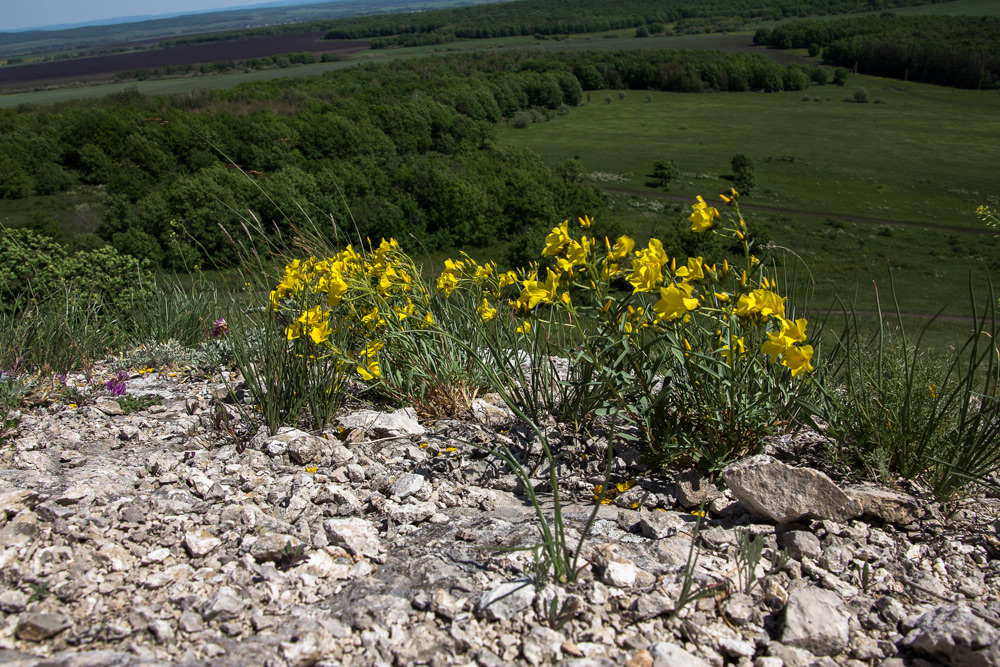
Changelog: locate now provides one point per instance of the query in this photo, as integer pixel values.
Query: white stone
(356, 535)
(814, 622)
(620, 573)
(200, 542)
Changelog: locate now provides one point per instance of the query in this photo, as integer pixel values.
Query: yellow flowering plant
(658, 354)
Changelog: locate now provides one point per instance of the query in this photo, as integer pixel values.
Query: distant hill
(102, 34)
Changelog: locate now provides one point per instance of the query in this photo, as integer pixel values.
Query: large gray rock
(814, 622)
(407, 485)
(660, 525)
(955, 636)
(384, 424)
(769, 488)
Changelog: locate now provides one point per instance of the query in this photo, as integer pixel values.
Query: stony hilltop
(154, 537)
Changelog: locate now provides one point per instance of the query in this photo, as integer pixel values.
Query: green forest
(375, 149)
(958, 51)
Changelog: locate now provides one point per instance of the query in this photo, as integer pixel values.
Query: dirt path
(808, 214)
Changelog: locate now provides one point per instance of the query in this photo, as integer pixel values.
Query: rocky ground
(155, 537)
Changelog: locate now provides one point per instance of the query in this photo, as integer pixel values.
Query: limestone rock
(303, 448)
(504, 600)
(769, 488)
(814, 622)
(200, 542)
(274, 547)
(356, 535)
(889, 506)
(407, 485)
(956, 636)
(35, 627)
(660, 525)
(800, 544)
(384, 424)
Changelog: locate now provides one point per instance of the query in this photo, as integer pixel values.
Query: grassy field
(957, 8)
(914, 168)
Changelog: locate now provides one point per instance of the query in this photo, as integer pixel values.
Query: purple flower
(221, 328)
(116, 385)
(59, 378)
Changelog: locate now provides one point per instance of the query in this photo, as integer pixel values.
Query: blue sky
(19, 14)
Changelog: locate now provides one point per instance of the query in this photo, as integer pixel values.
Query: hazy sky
(17, 14)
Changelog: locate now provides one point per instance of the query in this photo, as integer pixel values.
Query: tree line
(549, 17)
(958, 51)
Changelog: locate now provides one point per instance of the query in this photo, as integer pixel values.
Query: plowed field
(99, 68)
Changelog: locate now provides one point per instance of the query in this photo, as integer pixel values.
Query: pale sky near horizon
(20, 14)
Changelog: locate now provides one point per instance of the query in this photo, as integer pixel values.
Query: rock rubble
(153, 537)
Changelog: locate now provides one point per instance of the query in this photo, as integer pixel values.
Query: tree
(744, 178)
(745, 181)
(741, 161)
(664, 171)
(840, 76)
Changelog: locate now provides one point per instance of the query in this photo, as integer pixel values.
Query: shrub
(35, 268)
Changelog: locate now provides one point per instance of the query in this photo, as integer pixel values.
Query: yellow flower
(320, 332)
(586, 221)
(506, 279)
(314, 319)
(623, 246)
(485, 312)
(524, 328)
(704, 216)
(693, 272)
(759, 305)
(557, 238)
(675, 302)
(785, 345)
(409, 310)
(728, 199)
(625, 486)
(576, 255)
(536, 291)
(741, 349)
(447, 282)
(372, 319)
(369, 371)
(797, 359)
(369, 368)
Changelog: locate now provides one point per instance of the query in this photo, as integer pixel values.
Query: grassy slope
(925, 157)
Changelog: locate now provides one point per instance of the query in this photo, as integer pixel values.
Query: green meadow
(854, 190)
